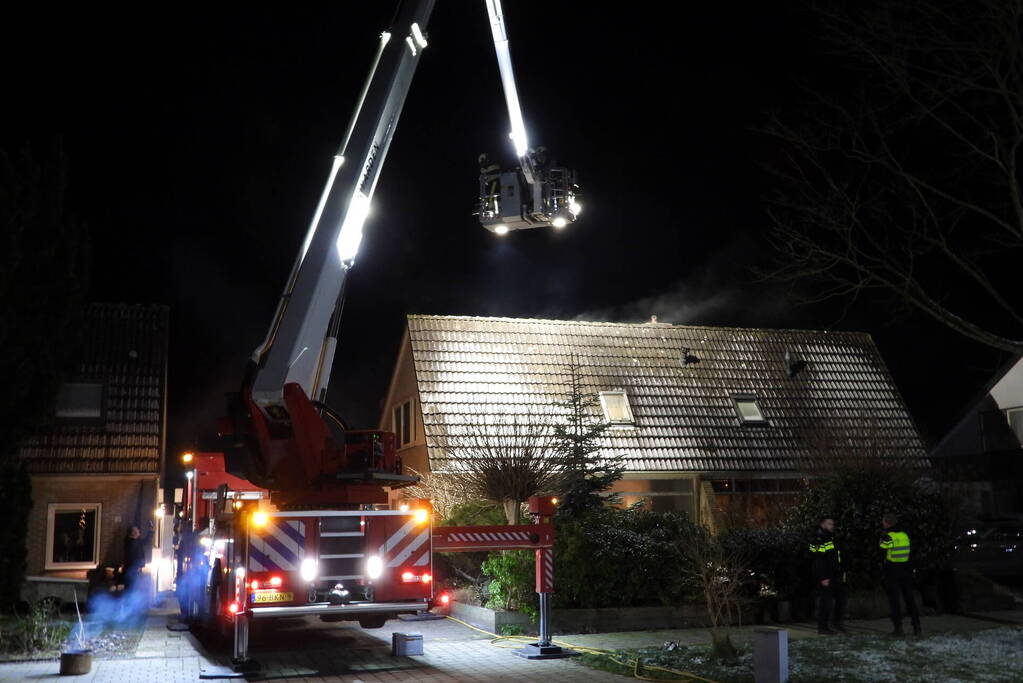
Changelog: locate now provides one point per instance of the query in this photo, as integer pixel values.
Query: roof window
(617, 410)
(748, 409)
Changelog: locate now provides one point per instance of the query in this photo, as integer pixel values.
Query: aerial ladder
(309, 532)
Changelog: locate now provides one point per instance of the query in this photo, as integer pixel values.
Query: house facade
(96, 466)
(983, 452)
(713, 422)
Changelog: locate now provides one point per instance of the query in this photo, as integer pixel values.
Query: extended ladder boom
(299, 347)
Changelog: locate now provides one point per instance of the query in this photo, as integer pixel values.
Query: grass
(994, 656)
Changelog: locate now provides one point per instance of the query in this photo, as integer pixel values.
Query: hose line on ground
(610, 654)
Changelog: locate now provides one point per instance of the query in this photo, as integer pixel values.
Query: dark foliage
(44, 259)
(15, 505)
(587, 472)
(614, 557)
(857, 498)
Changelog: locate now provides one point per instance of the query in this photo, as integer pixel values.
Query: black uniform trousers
(898, 584)
(830, 603)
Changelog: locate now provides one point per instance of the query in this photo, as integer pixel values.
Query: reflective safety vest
(826, 547)
(896, 547)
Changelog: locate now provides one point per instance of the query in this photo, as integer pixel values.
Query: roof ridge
(478, 318)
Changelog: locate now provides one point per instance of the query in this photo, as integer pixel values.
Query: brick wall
(118, 495)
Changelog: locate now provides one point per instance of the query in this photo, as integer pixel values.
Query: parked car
(992, 548)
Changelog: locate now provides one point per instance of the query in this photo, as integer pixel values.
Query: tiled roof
(843, 402)
(124, 348)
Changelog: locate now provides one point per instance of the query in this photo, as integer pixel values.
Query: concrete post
(770, 655)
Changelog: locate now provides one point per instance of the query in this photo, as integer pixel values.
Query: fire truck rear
(243, 559)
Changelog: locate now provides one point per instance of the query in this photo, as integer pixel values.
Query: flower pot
(75, 662)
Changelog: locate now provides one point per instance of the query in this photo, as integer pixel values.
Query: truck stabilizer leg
(544, 648)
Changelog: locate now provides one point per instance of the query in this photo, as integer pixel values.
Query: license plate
(272, 596)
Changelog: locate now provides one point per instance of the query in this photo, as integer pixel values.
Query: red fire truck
(292, 518)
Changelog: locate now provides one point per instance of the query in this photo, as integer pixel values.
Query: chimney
(653, 320)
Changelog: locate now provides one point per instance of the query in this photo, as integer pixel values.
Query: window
(80, 401)
(748, 410)
(404, 423)
(616, 407)
(1015, 418)
(72, 535)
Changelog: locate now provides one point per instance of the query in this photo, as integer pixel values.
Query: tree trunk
(512, 511)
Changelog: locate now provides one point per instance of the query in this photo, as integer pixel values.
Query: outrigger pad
(538, 651)
(214, 671)
(422, 616)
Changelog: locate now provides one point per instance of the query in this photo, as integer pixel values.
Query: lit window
(404, 423)
(616, 407)
(80, 401)
(748, 409)
(72, 535)
(1015, 418)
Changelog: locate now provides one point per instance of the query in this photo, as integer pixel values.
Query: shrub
(614, 557)
(35, 632)
(512, 581)
(857, 498)
(776, 557)
(464, 570)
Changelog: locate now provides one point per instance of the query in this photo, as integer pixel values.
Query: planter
(75, 662)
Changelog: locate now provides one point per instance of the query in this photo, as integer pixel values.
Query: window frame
(755, 400)
(1009, 412)
(82, 418)
(398, 422)
(51, 511)
(626, 423)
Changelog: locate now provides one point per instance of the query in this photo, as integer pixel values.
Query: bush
(614, 557)
(776, 557)
(512, 581)
(464, 570)
(857, 498)
(35, 632)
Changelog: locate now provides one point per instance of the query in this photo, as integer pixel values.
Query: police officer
(828, 577)
(898, 577)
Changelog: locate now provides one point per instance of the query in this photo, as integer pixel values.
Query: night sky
(200, 138)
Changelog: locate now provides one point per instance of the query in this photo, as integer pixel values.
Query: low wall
(599, 620)
(38, 587)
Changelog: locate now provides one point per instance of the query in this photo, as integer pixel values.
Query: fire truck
(293, 518)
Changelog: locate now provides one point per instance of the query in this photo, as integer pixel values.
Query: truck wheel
(373, 621)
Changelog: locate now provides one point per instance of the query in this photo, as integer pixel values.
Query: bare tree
(443, 492)
(909, 181)
(505, 458)
(717, 574)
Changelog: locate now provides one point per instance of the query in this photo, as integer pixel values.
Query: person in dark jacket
(898, 574)
(828, 578)
(135, 547)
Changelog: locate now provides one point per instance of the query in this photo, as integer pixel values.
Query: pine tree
(587, 472)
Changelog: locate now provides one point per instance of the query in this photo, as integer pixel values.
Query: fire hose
(634, 663)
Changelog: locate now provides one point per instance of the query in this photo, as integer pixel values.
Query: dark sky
(200, 138)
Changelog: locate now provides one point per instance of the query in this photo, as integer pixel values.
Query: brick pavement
(309, 650)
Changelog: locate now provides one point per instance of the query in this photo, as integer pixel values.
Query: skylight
(748, 409)
(617, 410)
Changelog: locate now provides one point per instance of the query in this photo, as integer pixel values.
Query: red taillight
(426, 578)
(233, 608)
(276, 581)
(445, 599)
(254, 585)
(408, 576)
